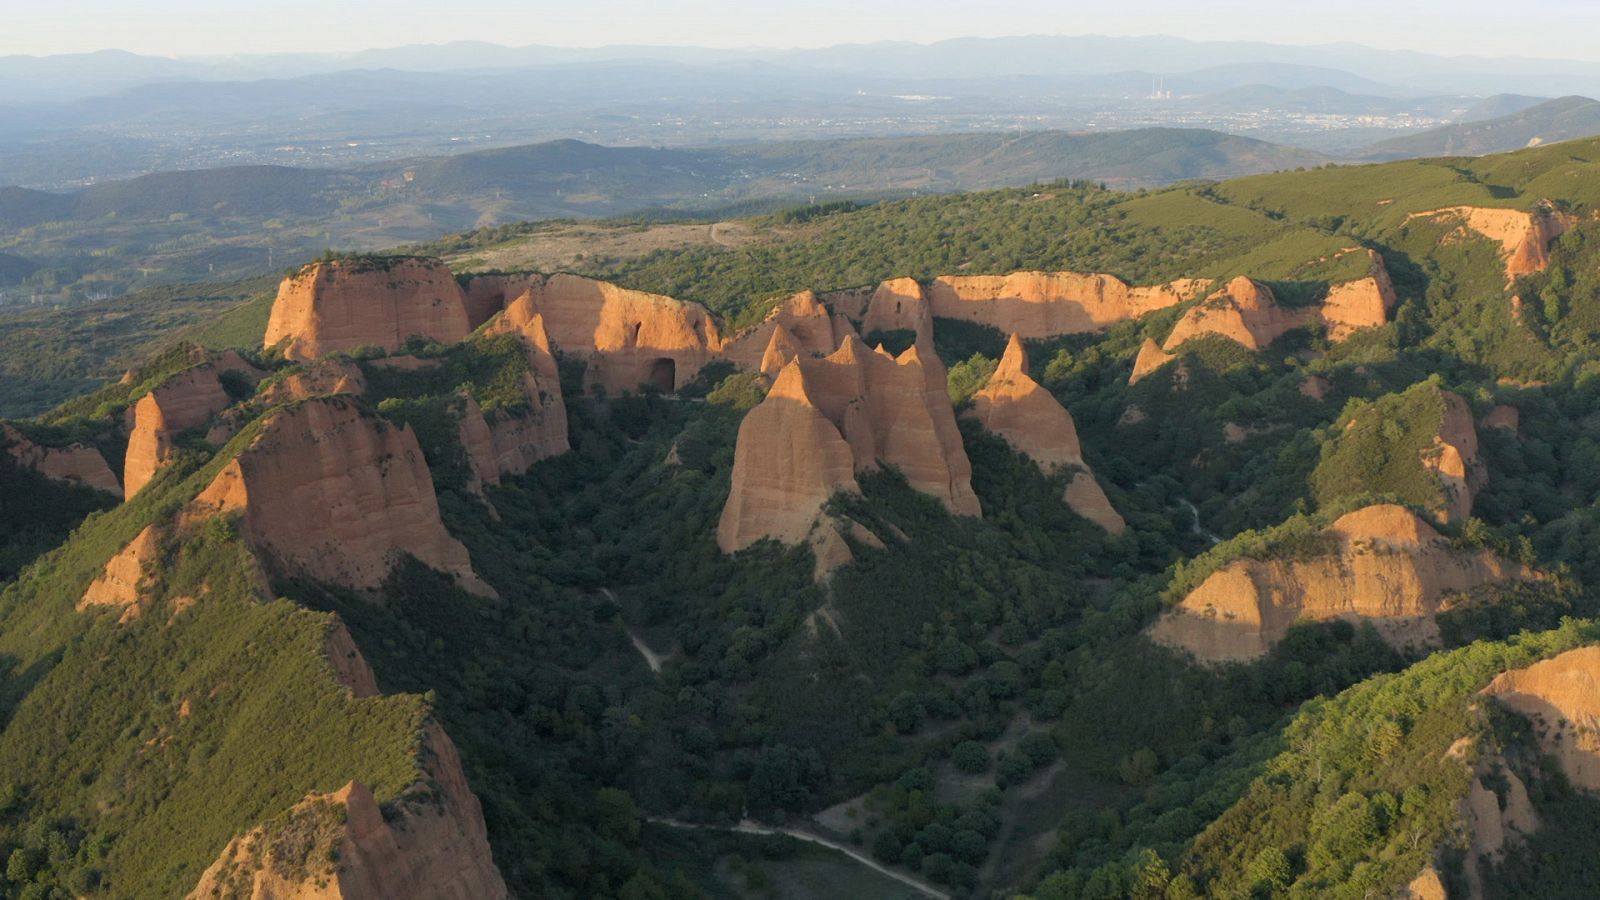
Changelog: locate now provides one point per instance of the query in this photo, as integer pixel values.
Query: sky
(1535, 28)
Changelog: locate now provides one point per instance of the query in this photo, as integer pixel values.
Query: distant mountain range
(1562, 119)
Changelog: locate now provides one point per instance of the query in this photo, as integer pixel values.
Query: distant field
(570, 246)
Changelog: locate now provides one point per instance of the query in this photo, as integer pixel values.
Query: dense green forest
(976, 703)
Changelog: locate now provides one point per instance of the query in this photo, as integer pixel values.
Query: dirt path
(749, 827)
(651, 658)
(1196, 527)
(718, 239)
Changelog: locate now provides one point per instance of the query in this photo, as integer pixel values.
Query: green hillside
(976, 703)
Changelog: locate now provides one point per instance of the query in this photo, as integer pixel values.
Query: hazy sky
(1542, 28)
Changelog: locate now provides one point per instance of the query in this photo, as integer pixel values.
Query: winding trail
(748, 827)
(1196, 528)
(651, 658)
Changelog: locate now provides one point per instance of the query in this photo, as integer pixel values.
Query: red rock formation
(1244, 312)
(1014, 406)
(74, 463)
(1454, 458)
(1151, 357)
(332, 307)
(1385, 566)
(433, 847)
(780, 349)
(1561, 696)
(629, 339)
(1364, 303)
(487, 294)
(1044, 304)
(336, 495)
(1524, 237)
(323, 376)
(186, 400)
(122, 582)
(823, 421)
(899, 305)
(789, 459)
(811, 329)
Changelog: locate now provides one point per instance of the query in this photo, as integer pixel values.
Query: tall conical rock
(809, 327)
(827, 419)
(1015, 407)
(1151, 357)
(1383, 565)
(1366, 302)
(340, 305)
(333, 494)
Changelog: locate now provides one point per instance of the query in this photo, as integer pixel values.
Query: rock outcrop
(337, 306)
(899, 304)
(1385, 566)
(1043, 304)
(74, 463)
(628, 339)
(122, 582)
(810, 329)
(341, 846)
(1524, 237)
(336, 495)
(488, 293)
(1453, 457)
(1363, 303)
(1561, 696)
(1015, 407)
(186, 400)
(1151, 357)
(1505, 417)
(825, 420)
(323, 376)
(1244, 312)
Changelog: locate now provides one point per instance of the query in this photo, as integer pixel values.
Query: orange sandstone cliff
(1364, 303)
(825, 420)
(186, 400)
(1244, 311)
(1561, 695)
(628, 339)
(1015, 407)
(431, 844)
(1151, 357)
(1524, 237)
(74, 463)
(1384, 565)
(1453, 457)
(337, 306)
(809, 327)
(336, 495)
(1043, 304)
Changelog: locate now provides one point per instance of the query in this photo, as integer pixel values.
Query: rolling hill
(1561, 119)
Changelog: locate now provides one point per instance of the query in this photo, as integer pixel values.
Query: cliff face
(1151, 357)
(323, 376)
(809, 327)
(1387, 567)
(1454, 458)
(899, 304)
(122, 582)
(826, 419)
(1015, 407)
(1364, 303)
(1524, 237)
(74, 463)
(336, 495)
(1244, 311)
(186, 400)
(340, 846)
(487, 294)
(629, 339)
(1561, 695)
(337, 306)
(1043, 304)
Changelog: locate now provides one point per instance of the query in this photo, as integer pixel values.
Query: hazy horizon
(195, 29)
